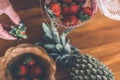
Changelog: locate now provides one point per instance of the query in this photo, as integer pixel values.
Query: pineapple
(81, 66)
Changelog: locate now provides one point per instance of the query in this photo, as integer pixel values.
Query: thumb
(5, 35)
(12, 15)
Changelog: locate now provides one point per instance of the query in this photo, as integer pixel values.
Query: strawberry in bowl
(27, 67)
(56, 9)
(70, 13)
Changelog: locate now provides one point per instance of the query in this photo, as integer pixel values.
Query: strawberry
(66, 21)
(87, 10)
(66, 1)
(70, 20)
(22, 70)
(73, 20)
(65, 10)
(85, 14)
(74, 8)
(35, 71)
(56, 8)
(23, 32)
(31, 62)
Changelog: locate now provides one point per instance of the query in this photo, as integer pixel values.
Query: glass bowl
(56, 11)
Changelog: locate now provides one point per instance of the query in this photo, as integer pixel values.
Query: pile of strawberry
(70, 11)
(27, 68)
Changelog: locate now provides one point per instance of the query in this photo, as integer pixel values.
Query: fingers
(5, 35)
(12, 15)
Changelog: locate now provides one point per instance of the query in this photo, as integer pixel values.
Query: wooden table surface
(100, 37)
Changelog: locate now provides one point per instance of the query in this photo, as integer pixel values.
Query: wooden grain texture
(100, 37)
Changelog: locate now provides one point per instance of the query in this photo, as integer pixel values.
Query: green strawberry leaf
(67, 47)
(50, 12)
(18, 30)
(55, 33)
(27, 60)
(59, 47)
(49, 46)
(47, 39)
(40, 43)
(47, 31)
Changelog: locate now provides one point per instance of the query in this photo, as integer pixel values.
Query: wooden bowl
(21, 49)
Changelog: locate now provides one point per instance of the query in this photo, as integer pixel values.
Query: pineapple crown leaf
(47, 31)
(51, 32)
(55, 32)
(50, 12)
(55, 44)
(61, 43)
(63, 36)
(61, 58)
(67, 47)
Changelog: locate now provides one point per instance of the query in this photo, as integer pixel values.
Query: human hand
(6, 8)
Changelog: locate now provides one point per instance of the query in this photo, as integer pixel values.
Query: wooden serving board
(100, 37)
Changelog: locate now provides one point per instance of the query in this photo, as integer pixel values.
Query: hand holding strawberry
(6, 8)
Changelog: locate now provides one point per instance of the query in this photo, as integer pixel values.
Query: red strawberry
(74, 8)
(22, 70)
(88, 11)
(55, 7)
(65, 10)
(74, 20)
(85, 14)
(70, 20)
(23, 32)
(66, 21)
(35, 71)
(31, 62)
(66, 1)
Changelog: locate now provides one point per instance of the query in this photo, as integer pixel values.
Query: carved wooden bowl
(22, 49)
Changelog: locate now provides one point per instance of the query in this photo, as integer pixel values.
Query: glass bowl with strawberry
(70, 13)
(26, 62)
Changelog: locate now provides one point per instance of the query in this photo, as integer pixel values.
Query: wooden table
(100, 37)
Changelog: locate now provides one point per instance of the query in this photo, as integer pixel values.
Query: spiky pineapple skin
(85, 67)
